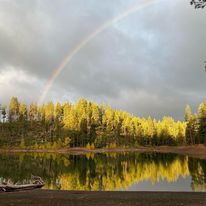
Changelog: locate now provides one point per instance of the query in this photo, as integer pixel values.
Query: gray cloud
(150, 63)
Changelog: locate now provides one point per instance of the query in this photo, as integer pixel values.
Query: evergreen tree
(58, 112)
(13, 109)
(202, 122)
(66, 113)
(22, 112)
(33, 112)
(49, 112)
(188, 113)
(3, 113)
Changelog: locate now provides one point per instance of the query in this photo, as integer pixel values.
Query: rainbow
(77, 48)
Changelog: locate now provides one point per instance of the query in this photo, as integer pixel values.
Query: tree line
(87, 124)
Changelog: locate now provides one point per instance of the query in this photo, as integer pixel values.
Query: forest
(87, 124)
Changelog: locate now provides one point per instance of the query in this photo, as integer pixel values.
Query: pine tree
(3, 113)
(192, 136)
(22, 112)
(58, 112)
(49, 120)
(33, 112)
(188, 113)
(66, 115)
(202, 122)
(13, 109)
(49, 112)
(181, 130)
(58, 116)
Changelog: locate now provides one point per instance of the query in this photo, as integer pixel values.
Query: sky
(150, 63)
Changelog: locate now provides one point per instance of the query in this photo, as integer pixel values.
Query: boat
(37, 183)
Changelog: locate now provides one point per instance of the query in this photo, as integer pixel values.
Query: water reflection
(128, 171)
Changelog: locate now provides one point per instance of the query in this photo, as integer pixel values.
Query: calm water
(128, 171)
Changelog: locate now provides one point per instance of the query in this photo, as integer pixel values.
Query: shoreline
(198, 151)
(84, 198)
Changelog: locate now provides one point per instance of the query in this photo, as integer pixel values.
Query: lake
(107, 171)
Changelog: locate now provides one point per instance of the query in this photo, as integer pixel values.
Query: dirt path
(198, 151)
(76, 198)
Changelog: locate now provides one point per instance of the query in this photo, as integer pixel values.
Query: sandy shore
(198, 151)
(77, 198)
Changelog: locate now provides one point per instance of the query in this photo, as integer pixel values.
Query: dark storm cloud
(150, 63)
(38, 34)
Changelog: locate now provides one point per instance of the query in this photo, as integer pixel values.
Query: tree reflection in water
(109, 171)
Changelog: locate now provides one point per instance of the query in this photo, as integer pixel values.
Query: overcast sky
(149, 63)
